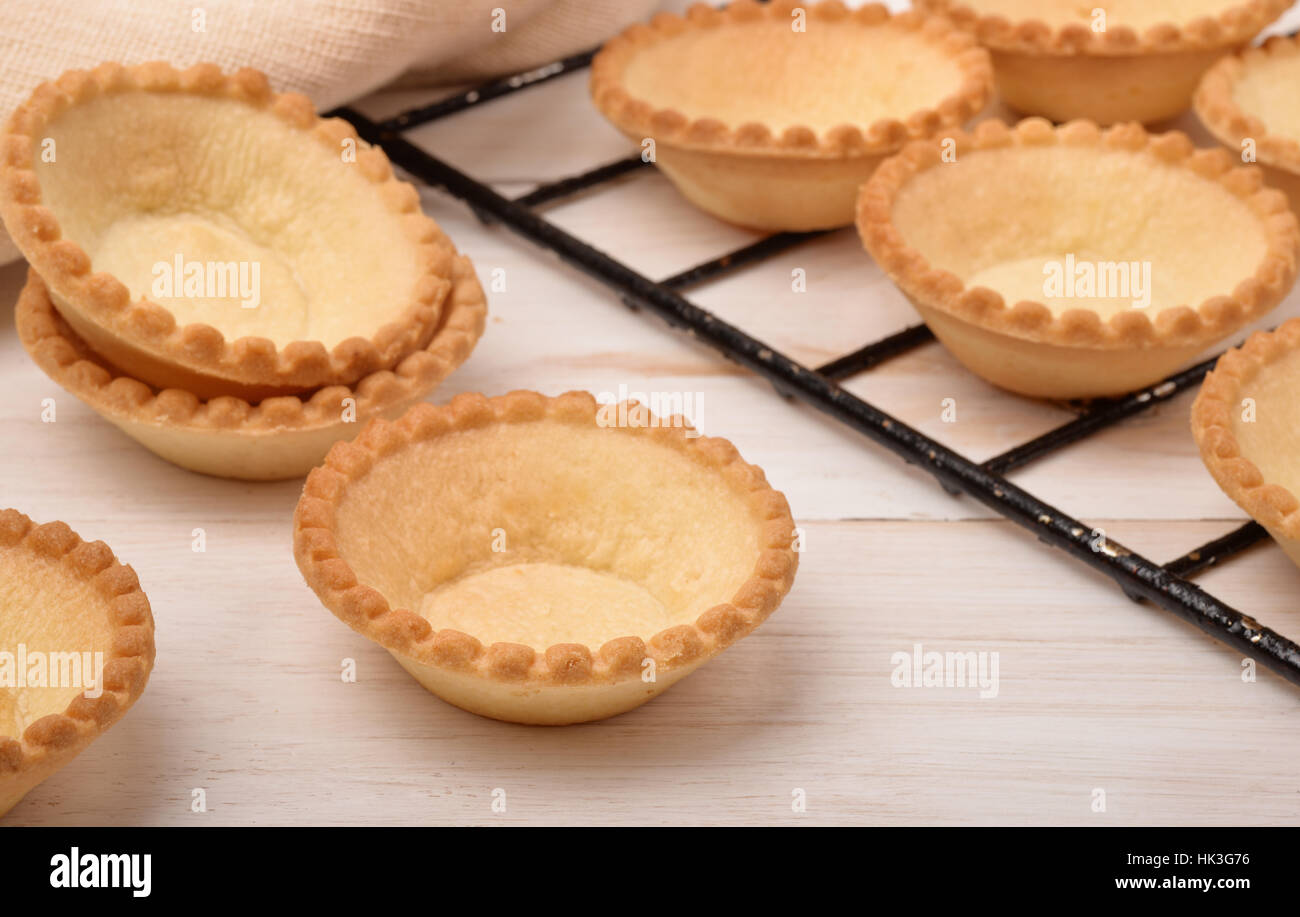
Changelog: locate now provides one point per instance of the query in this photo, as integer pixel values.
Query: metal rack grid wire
(1166, 585)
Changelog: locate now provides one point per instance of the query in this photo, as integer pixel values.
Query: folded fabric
(331, 50)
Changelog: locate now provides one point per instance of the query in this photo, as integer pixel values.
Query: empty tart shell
(994, 240)
(1246, 421)
(72, 604)
(770, 116)
(205, 233)
(277, 438)
(1250, 102)
(1121, 60)
(544, 560)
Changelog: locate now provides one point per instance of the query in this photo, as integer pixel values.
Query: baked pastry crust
(53, 740)
(1222, 397)
(1146, 348)
(565, 682)
(145, 335)
(717, 165)
(1217, 106)
(1143, 66)
(278, 438)
(1235, 23)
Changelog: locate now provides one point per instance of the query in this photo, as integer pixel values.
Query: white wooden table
(1096, 693)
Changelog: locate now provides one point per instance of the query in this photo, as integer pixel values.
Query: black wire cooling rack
(1166, 585)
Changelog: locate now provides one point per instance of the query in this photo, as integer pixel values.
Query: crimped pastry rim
(1271, 505)
(55, 739)
(411, 636)
(199, 347)
(1237, 22)
(70, 363)
(1224, 118)
(1174, 326)
(637, 117)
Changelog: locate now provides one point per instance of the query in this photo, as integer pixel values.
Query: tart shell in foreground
(275, 439)
(444, 481)
(58, 555)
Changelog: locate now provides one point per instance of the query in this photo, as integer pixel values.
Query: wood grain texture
(1095, 692)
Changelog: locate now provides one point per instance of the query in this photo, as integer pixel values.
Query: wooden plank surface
(1094, 693)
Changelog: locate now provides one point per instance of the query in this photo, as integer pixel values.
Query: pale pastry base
(253, 451)
(1051, 371)
(769, 193)
(1108, 90)
(532, 705)
(223, 174)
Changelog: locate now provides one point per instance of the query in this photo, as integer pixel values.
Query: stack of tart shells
(242, 407)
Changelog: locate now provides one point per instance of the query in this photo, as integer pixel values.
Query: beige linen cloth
(331, 50)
